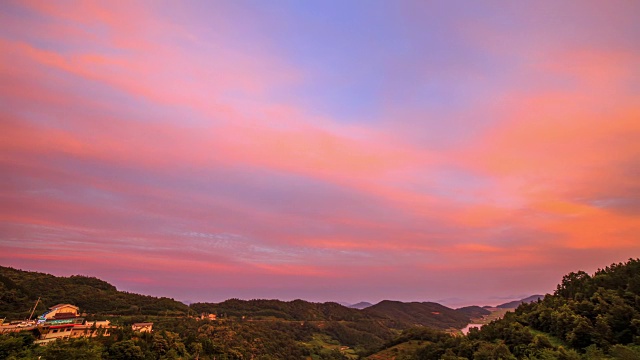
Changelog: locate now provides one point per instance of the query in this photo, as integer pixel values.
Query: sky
(465, 152)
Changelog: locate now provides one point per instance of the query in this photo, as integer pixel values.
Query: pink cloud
(159, 140)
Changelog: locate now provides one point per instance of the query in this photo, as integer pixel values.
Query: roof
(142, 324)
(63, 305)
(61, 326)
(65, 315)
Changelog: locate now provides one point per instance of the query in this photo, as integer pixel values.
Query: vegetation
(20, 288)
(587, 317)
(516, 303)
(428, 314)
(296, 310)
(473, 312)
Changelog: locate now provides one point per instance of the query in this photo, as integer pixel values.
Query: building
(60, 311)
(98, 323)
(204, 316)
(142, 327)
(61, 321)
(49, 333)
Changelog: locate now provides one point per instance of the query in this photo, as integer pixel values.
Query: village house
(204, 316)
(142, 327)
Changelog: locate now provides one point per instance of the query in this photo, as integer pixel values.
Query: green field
(328, 344)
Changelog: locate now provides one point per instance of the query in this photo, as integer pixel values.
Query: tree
(126, 350)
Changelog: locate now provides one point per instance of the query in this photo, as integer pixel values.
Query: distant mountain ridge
(361, 305)
(514, 304)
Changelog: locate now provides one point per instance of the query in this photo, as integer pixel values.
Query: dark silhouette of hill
(473, 312)
(20, 289)
(514, 304)
(428, 314)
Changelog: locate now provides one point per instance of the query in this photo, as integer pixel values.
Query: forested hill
(20, 289)
(394, 314)
(421, 314)
(588, 317)
(473, 312)
(298, 310)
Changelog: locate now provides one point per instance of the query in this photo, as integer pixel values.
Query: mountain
(419, 314)
(516, 303)
(393, 314)
(20, 289)
(361, 305)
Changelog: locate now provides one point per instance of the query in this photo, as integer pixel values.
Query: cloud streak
(177, 155)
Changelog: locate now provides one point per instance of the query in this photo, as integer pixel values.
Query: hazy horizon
(325, 150)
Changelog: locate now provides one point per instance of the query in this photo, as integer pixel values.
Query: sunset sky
(465, 152)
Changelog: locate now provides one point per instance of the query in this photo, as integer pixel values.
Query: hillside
(588, 317)
(298, 310)
(20, 289)
(393, 314)
(428, 314)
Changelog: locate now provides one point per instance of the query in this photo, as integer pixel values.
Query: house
(52, 333)
(142, 327)
(60, 311)
(98, 323)
(204, 316)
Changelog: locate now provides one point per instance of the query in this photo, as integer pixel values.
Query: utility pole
(34, 309)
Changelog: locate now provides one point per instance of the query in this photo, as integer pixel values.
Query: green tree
(126, 350)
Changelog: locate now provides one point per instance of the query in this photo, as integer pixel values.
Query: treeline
(587, 317)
